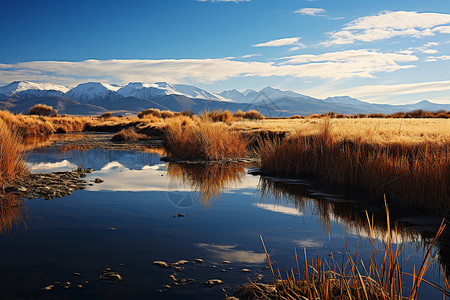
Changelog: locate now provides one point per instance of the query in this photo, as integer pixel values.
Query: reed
(417, 174)
(382, 277)
(204, 140)
(12, 160)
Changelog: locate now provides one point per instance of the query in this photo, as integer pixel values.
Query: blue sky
(378, 51)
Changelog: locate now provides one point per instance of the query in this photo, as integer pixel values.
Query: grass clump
(407, 172)
(12, 160)
(224, 116)
(204, 140)
(42, 110)
(127, 135)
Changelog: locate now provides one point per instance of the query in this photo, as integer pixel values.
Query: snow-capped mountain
(233, 94)
(147, 90)
(197, 93)
(26, 89)
(97, 98)
(90, 91)
(249, 96)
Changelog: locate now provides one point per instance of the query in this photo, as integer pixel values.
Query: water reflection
(350, 214)
(12, 212)
(210, 181)
(230, 253)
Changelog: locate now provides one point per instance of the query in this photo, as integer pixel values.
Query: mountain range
(93, 98)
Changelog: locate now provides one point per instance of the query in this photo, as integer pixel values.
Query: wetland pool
(147, 210)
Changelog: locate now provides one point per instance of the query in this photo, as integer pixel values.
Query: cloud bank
(332, 65)
(390, 24)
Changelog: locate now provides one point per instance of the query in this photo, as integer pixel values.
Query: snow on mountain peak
(88, 91)
(22, 87)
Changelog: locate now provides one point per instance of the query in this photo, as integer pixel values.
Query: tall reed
(382, 277)
(414, 173)
(12, 161)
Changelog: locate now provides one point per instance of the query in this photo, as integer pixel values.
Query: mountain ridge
(96, 98)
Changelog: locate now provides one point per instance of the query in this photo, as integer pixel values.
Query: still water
(146, 210)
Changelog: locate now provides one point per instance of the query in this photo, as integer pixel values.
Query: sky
(378, 51)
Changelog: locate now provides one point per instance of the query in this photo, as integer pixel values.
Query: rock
(198, 261)
(111, 276)
(181, 262)
(173, 277)
(167, 286)
(245, 270)
(112, 228)
(76, 274)
(48, 288)
(212, 282)
(223, 270)
(226, 262)
(161, 264)
(80, 286)
(98, 180)
(178, 269)
(88, 170)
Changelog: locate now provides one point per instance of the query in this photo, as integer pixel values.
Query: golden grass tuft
(204, 140)
(407, 172)
(12, 161)
(224, 116)
(127, 135)
(42, 110)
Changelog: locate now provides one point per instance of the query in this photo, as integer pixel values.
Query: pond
(147, 210)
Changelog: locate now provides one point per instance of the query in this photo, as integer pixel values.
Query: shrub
(224, 116)
(42, 110)
(106, 115)
(150, 111)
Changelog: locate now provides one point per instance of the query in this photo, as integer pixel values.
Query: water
(131, 220)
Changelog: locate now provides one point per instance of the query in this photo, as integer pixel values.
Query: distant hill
(93, 98)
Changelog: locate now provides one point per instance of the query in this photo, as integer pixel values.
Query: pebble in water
(212, 282)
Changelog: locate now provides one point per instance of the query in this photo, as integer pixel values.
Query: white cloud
(281, 42)
(332, 65)
(389, 24)
(437, 58)
(311, 11)
(349, 63)
(381, 90)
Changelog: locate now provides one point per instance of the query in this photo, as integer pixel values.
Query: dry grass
(372, 130)
(127, 135)
(417, 174)
(382, 277)
(209, 181)
(12, 212)
(12, 160)
(42, 110)
(205, 140)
